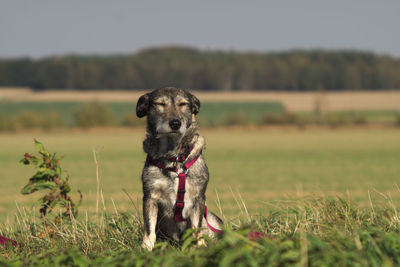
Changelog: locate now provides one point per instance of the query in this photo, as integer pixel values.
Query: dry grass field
(259, 166)
(293, 101)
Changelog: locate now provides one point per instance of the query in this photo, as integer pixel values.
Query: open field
(277, 181)
(259, 165)
(293, 101)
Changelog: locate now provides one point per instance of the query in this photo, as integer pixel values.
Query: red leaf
(256, 235)
(7, 241)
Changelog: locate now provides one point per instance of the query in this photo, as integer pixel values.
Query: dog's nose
(175, 124)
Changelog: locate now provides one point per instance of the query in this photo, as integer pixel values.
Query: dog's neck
(168, 146)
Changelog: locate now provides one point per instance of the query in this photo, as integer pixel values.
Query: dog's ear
(195, 102)
(142, 105)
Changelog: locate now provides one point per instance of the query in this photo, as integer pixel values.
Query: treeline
(207, 70)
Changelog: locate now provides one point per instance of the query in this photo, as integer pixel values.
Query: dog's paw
(200, 240)
(201, 243)
(148, 242)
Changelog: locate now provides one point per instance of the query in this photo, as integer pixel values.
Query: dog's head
(169, 110)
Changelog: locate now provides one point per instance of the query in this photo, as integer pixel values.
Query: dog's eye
(183, 104)
(160, 104)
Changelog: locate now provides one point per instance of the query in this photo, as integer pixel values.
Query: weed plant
(49, 177)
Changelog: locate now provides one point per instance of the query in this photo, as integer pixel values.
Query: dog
(175, 175)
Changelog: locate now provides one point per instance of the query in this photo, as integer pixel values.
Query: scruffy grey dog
(172, 132)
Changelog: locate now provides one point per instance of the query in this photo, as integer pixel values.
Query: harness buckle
(180, 204)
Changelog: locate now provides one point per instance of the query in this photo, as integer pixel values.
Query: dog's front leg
(150, 210)
(198, 146)
(196, 221)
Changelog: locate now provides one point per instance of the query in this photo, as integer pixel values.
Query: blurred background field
(256, 166)
(258, 149)
(123, 113)
(22, 109)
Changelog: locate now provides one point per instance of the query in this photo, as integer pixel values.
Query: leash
(180, 198)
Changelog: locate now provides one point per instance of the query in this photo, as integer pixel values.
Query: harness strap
(180, 198)
(159, 164)
(215, 230)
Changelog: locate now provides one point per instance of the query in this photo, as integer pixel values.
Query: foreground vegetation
(207, 70)
(313, 232)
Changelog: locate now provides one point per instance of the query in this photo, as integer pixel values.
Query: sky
(39, 28)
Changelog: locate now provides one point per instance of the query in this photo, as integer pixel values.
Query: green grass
(284, 178)
(211, 113)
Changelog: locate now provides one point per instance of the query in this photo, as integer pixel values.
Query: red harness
(180, 198)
